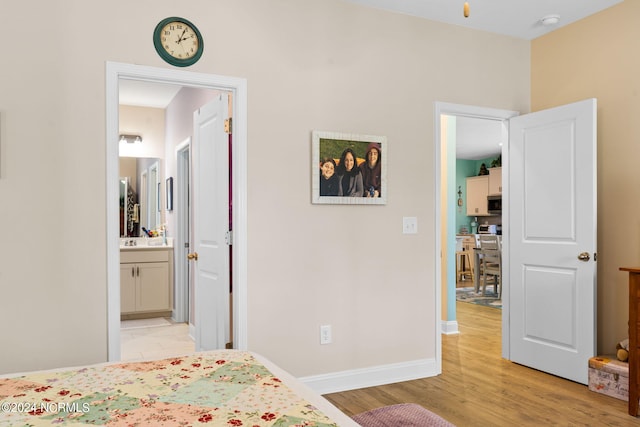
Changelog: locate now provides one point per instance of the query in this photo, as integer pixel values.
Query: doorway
(445, 231)
(531, 337)
(475, 147)
(237, 87)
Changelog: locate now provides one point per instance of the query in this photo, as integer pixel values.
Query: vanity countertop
(145, 248)
(143, 243)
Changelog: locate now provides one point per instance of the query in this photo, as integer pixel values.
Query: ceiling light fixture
(465, 9)
(550, 20)
(130, 139)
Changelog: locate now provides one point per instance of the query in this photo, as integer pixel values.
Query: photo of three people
(350, 168)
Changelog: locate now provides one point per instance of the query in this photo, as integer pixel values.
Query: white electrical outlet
(325, 334)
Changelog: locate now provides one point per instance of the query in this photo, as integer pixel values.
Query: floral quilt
(219, 388)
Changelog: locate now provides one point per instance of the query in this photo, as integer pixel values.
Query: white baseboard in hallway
(449, 327)
(144, 323)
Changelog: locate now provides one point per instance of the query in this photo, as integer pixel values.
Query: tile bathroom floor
(154, 339)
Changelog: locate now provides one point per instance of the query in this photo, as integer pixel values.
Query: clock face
(178, 41)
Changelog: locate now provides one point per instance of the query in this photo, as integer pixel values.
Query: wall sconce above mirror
(130, 139)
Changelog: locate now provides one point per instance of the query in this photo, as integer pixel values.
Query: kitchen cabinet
(145, 281)
(469, 243)
(495, 181)
(477, 191)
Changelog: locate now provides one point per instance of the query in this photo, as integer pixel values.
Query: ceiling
(515, 18)
(146, 94)
(476, 138)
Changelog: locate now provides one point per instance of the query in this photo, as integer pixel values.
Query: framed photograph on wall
(348, 169)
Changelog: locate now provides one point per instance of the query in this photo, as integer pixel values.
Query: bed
(215, 388)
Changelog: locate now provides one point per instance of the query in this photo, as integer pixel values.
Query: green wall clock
(178, 41)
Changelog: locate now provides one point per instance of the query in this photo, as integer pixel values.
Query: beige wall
(597, 58)
(325, 65)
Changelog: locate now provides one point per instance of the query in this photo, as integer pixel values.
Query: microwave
(494, 204)
(487, 229)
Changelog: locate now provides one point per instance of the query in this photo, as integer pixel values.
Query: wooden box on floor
(608, 375)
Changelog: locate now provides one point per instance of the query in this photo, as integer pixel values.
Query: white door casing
(440, 109)
(238, 87)
(552, 206)
(211, 223)
(182, 210)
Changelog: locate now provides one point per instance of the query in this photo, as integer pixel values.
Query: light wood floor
(479, 388)
(155, 342)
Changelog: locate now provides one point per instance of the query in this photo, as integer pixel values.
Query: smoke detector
(550, 20)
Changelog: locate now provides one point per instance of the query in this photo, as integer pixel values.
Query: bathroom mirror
(139, 179)
(128, 209)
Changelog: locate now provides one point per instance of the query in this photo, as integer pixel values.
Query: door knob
(193, 255)
(584, 256)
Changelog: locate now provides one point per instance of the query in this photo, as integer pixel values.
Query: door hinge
(228, 125)
(228, 237)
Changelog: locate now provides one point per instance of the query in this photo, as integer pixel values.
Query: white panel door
(552, 205)
(210, 225)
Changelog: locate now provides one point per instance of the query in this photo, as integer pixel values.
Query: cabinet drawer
(144, 256)
(469, 243)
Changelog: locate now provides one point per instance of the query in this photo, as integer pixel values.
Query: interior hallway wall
(310, 65)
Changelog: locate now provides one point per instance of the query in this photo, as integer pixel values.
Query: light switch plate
(409, 225)
(325, 334)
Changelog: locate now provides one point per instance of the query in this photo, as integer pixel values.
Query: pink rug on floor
(402, 415)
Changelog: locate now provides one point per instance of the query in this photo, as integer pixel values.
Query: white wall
(309, 64)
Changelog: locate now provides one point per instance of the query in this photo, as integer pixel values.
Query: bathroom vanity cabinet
(146, 282)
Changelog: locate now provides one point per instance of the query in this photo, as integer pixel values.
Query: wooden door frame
(238, 87)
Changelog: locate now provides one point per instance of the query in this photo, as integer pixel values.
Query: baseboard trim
(449, 327)
(192, 331)
(370, 377)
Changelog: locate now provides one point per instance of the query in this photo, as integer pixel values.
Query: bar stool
(464, 265)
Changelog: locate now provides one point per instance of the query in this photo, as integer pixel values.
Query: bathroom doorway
(237, 87)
